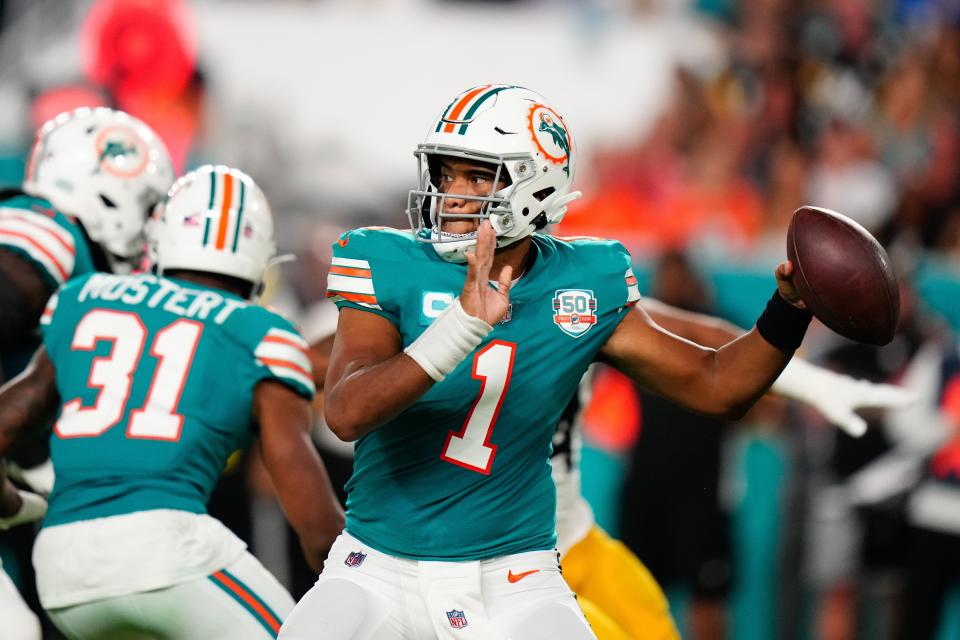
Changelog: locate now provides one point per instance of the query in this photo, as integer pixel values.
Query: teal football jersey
(464, 473)
(46, 238)
(156, 379)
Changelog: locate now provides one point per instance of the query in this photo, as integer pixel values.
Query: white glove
(837, 396)
(33, 508)
(39, 478)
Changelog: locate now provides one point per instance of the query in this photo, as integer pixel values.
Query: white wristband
(34, 507)
(446, 342)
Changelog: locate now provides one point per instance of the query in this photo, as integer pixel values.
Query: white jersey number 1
(471, 448)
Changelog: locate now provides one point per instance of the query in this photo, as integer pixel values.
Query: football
(843, 275)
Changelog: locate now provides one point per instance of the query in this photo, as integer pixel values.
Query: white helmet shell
(104, 167)
(515, 130)
(216, 220)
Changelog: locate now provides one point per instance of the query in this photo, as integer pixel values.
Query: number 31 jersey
(156, 379)
(464, 473)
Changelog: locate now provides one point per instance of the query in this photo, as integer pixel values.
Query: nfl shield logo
(574, 311)
(355, 559)
(457, 619)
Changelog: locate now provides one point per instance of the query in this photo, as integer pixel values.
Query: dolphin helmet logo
(550, 135)
(121, 151)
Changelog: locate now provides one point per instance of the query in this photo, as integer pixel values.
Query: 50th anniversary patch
(574, 311)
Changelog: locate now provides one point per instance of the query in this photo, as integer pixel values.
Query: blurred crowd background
(701, 125)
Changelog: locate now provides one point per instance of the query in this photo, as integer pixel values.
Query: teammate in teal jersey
(451, 509)
(158, 378)
(92, 178)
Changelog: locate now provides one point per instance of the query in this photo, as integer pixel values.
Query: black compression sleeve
(782, 324)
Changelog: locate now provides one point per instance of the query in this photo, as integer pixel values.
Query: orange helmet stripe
(225, 210)
(458, 109)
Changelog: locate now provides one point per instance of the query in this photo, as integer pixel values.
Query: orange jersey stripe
(457, 110)
(39, 247)
(281, 340)
(353, 297)
(286, 364)
(47, 232)
(351, 271)
(225, 210)
(250, 600)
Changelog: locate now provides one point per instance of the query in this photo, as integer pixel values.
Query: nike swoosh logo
(517, 577)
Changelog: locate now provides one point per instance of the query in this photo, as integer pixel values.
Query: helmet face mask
(105, 168)
(428, 203)
(215, 220)
(514, 133)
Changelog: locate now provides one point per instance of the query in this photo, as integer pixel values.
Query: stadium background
(700, 124)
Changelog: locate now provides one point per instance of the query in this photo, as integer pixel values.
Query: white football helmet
(529, 143)
(215, 219)
(104, 167)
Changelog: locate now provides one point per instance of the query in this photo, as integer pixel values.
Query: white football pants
(17, 622)
(242, 601)
(363, 594)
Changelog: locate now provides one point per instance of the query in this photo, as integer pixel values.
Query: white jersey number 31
(173, 347)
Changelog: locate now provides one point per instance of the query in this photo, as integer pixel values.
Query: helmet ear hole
(543, 194)
(526, 211)
(107, 202)
(433, 169)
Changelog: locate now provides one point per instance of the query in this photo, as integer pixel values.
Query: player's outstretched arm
(298, 474)
(835, 395)
(722, 382)
(29, 400)
(705, 330)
